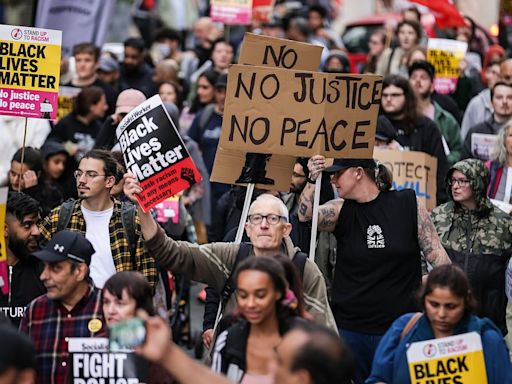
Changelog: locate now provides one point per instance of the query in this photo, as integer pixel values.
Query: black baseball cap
(425, 65)
(222, 81)
(340, 164)
(385, 130)
(66, 245)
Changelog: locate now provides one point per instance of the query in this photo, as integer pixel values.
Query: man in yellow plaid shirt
(98, 216)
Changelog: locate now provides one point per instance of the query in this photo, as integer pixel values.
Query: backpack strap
(299, 260)
(411, 323)
(229, 286)
(65, 211)
(128, 220)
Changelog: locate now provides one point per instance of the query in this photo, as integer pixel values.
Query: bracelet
(308, 180)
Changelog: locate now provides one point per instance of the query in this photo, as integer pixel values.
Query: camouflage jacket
(485, 229)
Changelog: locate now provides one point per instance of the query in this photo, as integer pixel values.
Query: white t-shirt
(97, 232)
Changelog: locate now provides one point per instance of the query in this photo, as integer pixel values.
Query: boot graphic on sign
(254, 170)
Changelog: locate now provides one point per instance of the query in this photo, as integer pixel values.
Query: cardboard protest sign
(92, 363)
(454, 359)
(445, 55)
(66, 99)
(29, 71)
(300, 113)
(231, 12)
(4, 270)
(482, 145)
(414, 170)
(272, 52)
(155, 153)
(262, 10)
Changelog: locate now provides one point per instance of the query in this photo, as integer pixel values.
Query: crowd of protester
(83, 256)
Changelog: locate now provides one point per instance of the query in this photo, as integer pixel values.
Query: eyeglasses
(295, 174)
(392, 95)
(461, 182)
(88, 174)
(271, 218)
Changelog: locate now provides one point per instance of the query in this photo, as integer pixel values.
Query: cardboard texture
(415, 170)
(300, 113)
(155, 153)
(229, 163)
(272, 52)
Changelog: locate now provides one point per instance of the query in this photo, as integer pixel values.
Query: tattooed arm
(428, 239)
(327, 213)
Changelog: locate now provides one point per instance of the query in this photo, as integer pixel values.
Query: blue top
(390, 361)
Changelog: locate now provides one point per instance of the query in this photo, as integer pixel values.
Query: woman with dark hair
(415, 132)
(377, 43)
(78, 130)
(380, 236)
(26, 175)
(123, 295)
(267, 309)
(448, 306)
(204, 95)
(392, 60)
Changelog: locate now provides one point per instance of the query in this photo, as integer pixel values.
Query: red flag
(446, 13)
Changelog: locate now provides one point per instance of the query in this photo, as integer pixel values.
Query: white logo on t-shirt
(374, 237)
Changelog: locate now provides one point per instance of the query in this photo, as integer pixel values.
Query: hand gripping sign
(155, 153)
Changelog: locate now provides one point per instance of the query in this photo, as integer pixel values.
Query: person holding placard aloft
(380, 235)
(448, 306)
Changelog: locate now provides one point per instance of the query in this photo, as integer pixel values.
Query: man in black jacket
(415, 132)
(21, 235)
(501, 101)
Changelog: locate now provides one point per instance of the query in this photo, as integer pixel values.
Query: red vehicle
(357, 34)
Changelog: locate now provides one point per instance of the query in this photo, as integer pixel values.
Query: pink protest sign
(29, 71)
(231, 12)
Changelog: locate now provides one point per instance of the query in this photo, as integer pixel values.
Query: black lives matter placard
(155, 153)
(92, 363)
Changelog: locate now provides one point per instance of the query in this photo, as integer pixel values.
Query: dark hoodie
(478, 240)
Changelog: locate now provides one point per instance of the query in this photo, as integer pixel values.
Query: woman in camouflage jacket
(477, 236)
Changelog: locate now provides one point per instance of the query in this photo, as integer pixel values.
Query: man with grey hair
(268, 229)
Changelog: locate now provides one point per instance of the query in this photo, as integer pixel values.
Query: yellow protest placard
(445, 55)
(29, 71)
(456, 359)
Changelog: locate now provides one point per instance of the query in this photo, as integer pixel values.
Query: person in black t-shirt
(87, 64)
(22, 234)
(380, 234)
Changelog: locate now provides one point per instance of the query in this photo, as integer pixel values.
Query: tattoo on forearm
(428, 239)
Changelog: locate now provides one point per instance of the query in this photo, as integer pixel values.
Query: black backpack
(127, 218)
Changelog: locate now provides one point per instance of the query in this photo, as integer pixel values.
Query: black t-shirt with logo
(378, 266)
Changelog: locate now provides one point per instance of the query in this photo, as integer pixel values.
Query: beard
(19, 247)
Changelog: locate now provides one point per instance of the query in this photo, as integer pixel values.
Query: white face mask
(164, 50)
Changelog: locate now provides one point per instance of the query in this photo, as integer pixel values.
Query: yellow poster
(4, 276)
(445, 55)
(456, 359)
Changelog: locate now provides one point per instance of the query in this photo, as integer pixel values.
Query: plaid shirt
(118, 240)
(49, 324)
